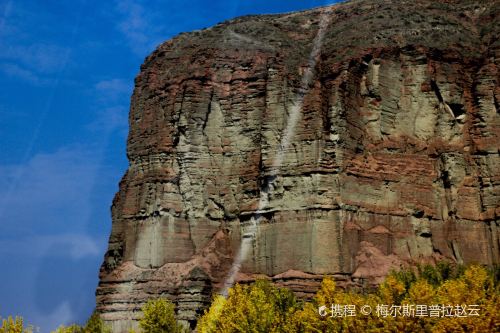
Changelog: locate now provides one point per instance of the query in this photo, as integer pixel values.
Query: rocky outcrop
(394, 158)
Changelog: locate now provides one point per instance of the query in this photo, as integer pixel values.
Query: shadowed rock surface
(394, 160)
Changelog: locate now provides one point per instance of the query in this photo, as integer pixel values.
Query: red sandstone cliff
(394, 159)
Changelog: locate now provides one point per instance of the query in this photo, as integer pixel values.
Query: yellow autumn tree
(14, 325)
(420, 292)
(260, 307)
(210, 321)
(337, 310)
(159, 317)
(475, 289)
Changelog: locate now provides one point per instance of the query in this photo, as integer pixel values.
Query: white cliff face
(393, 159)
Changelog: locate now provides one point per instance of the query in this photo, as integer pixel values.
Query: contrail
(45, 111)
(249, 231)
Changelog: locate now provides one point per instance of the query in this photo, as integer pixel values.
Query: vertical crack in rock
(436, 90)
(495, 102)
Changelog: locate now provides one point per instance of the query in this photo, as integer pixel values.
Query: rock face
(393, 160)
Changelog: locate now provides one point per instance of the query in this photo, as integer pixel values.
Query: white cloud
(34, 62)
(49, 228)
(16, 71)
(114, 97)
(55, 188)
(113, 89)
(76, 246)
(109, 119)
(137, 27)
(38, 58)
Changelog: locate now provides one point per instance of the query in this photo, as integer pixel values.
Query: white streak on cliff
(249, 231)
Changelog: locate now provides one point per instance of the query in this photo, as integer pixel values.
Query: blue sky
(66, 76)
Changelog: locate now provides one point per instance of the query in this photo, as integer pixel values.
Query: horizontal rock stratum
(392, 159)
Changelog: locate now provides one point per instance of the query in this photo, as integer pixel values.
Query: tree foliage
(14, 325)
(96, 325)
(261, 307)
(159, 317)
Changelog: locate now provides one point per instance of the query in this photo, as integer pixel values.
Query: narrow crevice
(445, 178)
(218, 204)
(436, 90)
(181, 130)
(456, 253)
(367, 58)
(260, 168)
(496, 103)
(266, 183)
(209, 110)
(451, 245)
